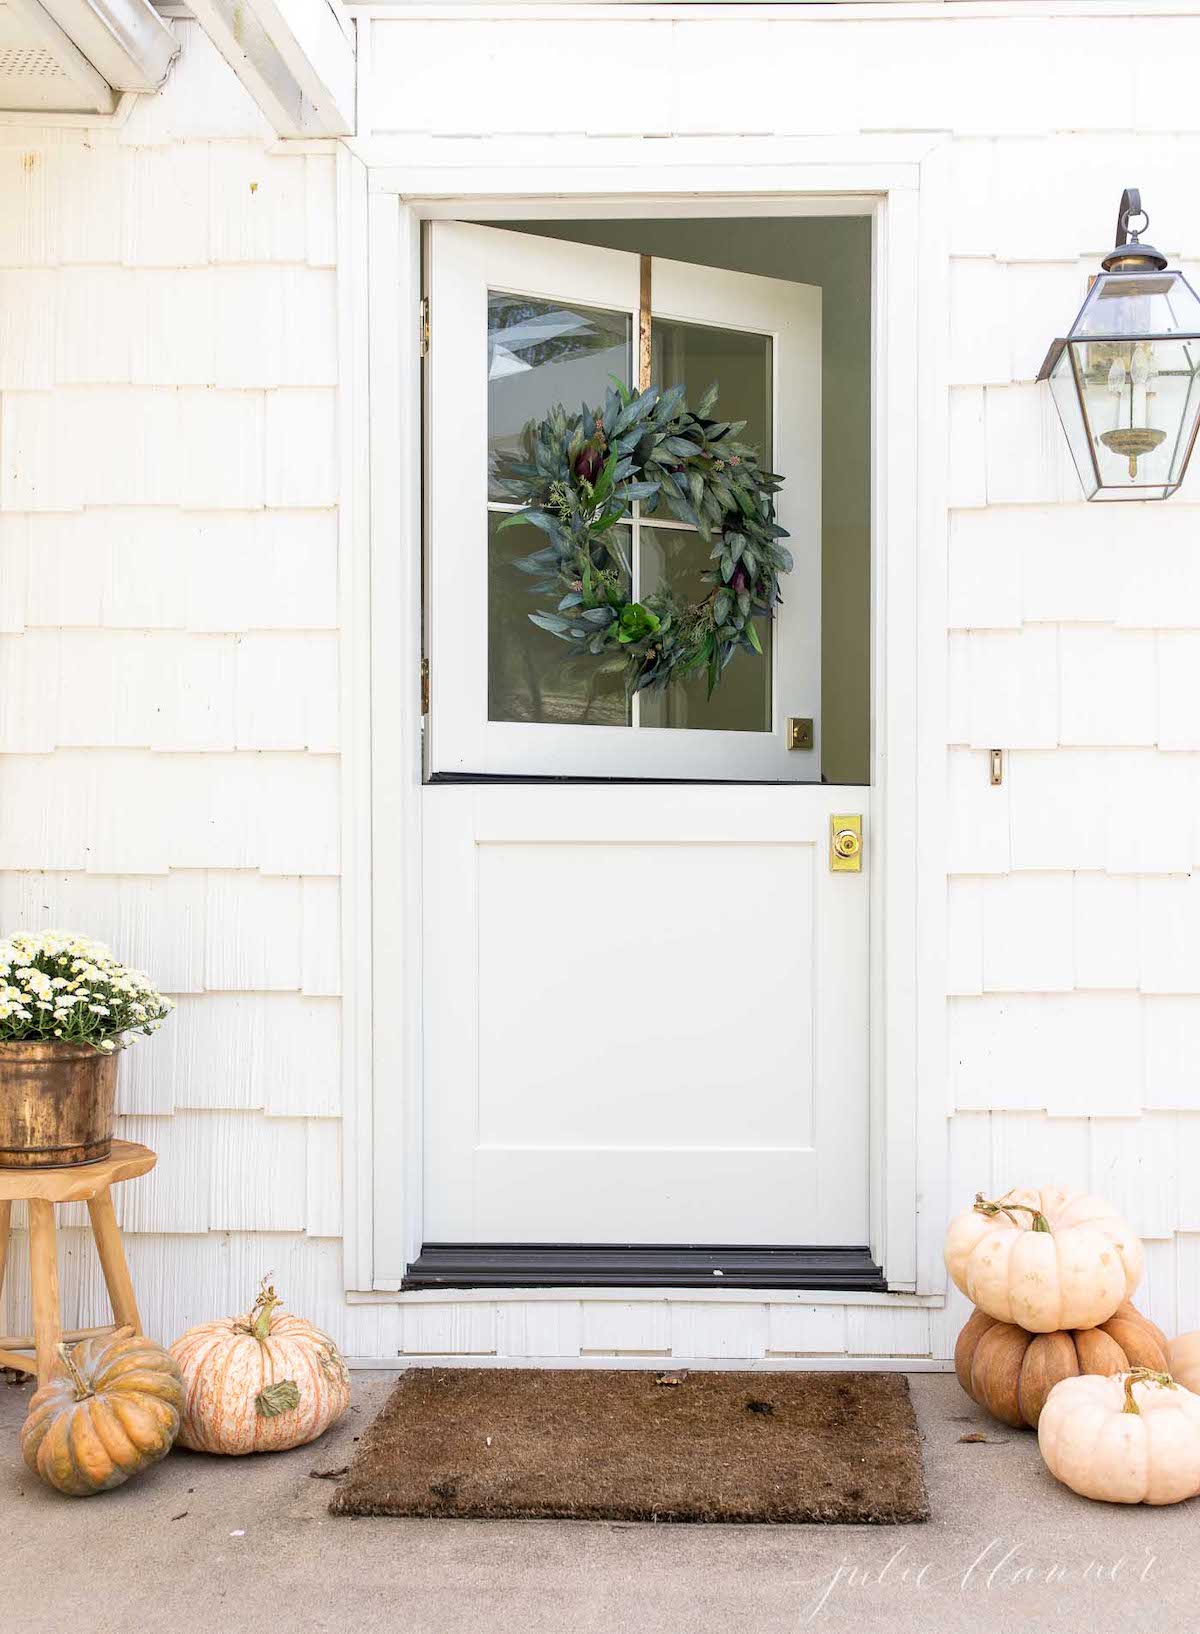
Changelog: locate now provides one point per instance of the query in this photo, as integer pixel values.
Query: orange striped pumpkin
(262, 1382)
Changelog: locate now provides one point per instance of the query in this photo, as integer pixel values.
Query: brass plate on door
(845, 844)
(799, 732)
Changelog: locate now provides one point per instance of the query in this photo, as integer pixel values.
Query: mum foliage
(54, 985)
(577, 478)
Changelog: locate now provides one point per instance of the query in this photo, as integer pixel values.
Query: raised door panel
(646, 1018)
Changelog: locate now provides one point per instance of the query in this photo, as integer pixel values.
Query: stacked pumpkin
(1011, 1372)
(1055, 1344)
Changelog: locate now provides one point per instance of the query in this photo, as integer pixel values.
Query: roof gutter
(125, 41)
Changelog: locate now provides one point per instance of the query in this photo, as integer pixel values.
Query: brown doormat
(544, 1444)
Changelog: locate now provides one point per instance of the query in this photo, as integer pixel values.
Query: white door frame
(902, 186)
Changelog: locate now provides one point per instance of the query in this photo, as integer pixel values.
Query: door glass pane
(694, 355)
(545, 352)
(532, 675)
(540, 354)
(742, 701)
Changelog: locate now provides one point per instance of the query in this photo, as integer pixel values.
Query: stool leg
(112, 1259)
(43, 1267)
(5, 1227)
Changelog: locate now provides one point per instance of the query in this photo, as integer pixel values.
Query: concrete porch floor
(238, 1546)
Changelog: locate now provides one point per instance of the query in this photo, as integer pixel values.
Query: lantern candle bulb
(1140, 373)
(1133, 435)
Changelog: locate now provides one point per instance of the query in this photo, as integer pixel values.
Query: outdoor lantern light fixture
(1126, 379)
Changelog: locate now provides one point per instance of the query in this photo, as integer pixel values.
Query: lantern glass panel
(1139, 303)
(1069, 403)
(1139, 402)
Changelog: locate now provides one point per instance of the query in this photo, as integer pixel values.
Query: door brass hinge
(424, 325)
(424, 686)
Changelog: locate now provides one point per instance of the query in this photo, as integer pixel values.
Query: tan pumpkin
(114, 1410)
(1010, 1372)
(259, 1383)
(1183, 1361)
(1045, 1260)
(1133, 1438)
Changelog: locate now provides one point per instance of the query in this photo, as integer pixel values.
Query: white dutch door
(645, 989)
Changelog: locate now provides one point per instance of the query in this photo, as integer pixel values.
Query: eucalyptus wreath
(577, 476)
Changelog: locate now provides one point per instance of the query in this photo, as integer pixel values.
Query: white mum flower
(53, 974)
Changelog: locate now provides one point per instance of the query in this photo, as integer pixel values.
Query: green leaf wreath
(577, 476)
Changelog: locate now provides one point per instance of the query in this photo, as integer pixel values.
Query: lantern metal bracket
(1128, 253)
(1131, 205)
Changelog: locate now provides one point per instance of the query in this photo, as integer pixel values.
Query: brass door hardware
(845, 844)
(996, 771)
(645, 323)
(799, 732)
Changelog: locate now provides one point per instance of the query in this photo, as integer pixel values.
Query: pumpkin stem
(1038, 1222)
(82, 1389)
(263, 1309)
(1144, 1375)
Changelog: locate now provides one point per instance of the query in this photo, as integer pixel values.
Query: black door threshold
(630, 1265)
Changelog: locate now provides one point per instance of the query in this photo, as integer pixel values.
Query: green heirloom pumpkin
(114, 1410)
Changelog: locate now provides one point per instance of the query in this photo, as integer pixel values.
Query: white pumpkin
(1183, 1360)
(1045, 1259)
(1131, 1438)
(259, 1383)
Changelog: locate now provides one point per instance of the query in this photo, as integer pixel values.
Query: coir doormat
(544, 1444)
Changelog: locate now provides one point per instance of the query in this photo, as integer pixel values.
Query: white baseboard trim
(659, 1364)
(646, 1296)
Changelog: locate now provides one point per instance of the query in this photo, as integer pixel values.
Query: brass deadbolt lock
(845, 844)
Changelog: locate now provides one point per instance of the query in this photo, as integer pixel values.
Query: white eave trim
(295, 57)
(124, 44)
(96, 93)
(126, 41)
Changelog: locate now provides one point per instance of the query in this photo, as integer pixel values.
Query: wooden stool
(41, 1189)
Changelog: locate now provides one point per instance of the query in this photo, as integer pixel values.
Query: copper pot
(57, 1104)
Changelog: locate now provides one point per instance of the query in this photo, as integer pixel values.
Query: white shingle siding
(1074, 926)
(169, 665)
(169, 653)
(164, 690)
(117, 812)
(161, 568)
(239, 1052)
